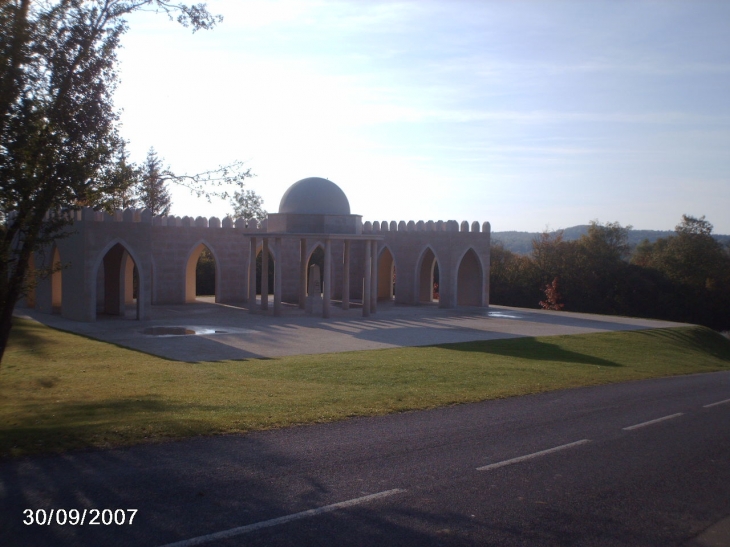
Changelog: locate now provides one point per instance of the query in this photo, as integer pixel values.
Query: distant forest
(682, 275)
(521, 242)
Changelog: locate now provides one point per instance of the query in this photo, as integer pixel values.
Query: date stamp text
(79, 517)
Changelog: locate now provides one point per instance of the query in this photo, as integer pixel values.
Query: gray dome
(315, 196)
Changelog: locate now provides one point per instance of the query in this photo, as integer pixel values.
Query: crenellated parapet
(424, 226)
(131, 215)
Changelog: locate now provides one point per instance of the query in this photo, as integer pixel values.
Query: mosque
(132, 259)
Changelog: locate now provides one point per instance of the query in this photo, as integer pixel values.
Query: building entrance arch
(469, 281)
(386, 275)
(428, 277)
(117, 282)
(269, 271)
(316, 258)
(201, 274)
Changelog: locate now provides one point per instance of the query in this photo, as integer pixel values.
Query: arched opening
(386, 275)
(117, 282)
(428, 279)
(56, 282)
(31, 279)
(316, 259)
(200, 275)
(270, 273)
(131, 281)
(469, 281)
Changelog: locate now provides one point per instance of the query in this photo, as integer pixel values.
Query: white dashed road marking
(356, 501)
(650, 422)
(282, 520)
(717, 403)
(530, 456)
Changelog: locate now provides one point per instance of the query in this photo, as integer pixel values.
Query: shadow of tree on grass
(27, 336)
(105, 423)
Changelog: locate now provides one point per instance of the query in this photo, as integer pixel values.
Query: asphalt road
(480, 474)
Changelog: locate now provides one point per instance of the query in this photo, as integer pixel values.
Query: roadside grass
(60, 391)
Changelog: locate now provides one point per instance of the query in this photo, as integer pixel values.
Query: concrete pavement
(242, 335)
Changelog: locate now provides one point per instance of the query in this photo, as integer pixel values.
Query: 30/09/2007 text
(79, 517)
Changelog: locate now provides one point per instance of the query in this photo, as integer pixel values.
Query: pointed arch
(315, 257)
(312, 247)
(115, 274)
(427, 279)
(469, 280)
(270, 267)
(386, 274)
(129, 276)
(191, 270)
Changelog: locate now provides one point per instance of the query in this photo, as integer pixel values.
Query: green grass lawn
(60, 391)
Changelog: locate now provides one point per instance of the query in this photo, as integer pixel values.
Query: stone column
(277, 277)
(302, 273)
(346, 277)
(265, 274)
(327, 278)
(252, 276)
(374, 279)
(368, 281)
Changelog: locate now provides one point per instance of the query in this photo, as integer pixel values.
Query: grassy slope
(59, 391)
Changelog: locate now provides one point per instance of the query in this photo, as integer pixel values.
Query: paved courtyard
(230, 332)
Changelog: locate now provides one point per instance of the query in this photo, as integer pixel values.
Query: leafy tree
(606, 242)
(696, 269)
(248, 204)
(694, 226)
(549, 254)
(513, 278)
(552, 297)
(685, 277)
(152, 188)
(58, 128)
(692, 257)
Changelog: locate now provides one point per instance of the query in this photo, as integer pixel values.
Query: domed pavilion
(132, 258)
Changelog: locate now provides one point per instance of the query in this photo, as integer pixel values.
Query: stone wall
(164, 247)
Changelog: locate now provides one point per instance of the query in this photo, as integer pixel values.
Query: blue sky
(526, 114)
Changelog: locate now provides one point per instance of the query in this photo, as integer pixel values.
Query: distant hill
(521, 242)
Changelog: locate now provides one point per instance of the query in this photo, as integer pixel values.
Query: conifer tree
(153, 192)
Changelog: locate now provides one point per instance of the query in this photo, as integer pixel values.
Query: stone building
(110, 258)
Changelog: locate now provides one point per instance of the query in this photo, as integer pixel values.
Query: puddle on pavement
(503, 315)
(180, 331)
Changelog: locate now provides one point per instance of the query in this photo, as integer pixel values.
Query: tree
(608, 242)
(513, 279)
(123, 179)
(58, 126)
(152, 189)
(248, 204)
(695, 267)
(694, 226)
(692, 257)
(552, 297)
